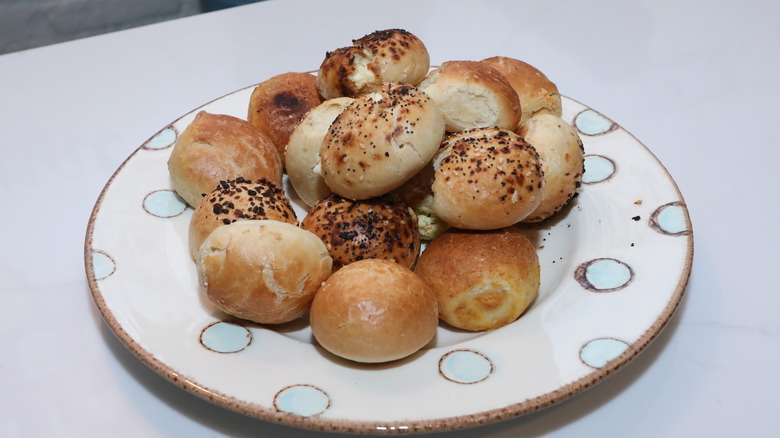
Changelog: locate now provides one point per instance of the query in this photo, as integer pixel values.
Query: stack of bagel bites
(414, 180)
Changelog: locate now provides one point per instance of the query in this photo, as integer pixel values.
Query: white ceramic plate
(614, 268)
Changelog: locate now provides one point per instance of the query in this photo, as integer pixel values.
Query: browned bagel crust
(382, 227)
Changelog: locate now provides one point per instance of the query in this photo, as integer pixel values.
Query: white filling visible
(362, 75)
(376, 97)
(317, 169)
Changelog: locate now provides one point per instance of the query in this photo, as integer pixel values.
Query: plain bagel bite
(263, 271)
(382, 227)
(302, 156)
(486, 178)
(563, 161)
(472, 95)
(374, 311)
(537, 93)
(383, 56)
(482, 280)
(279, 103)
(380, 141)
(217, 147)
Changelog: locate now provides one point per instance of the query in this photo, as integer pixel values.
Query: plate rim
(442, 424)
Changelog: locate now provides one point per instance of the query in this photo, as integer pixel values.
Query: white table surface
(697, 84)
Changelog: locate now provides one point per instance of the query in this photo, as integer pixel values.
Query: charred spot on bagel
(344, 85)
(347, 139)
(288, 104)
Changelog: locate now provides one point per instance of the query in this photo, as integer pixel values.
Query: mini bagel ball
(486, 178)
(374, 311)
(263, 271)
(537, 93)
(563, 162)
(218, 147)
(380, 141)
(471, 94)
(280, 102)
(383, 56)
(382, 227)
(482, 280)
(302, 155)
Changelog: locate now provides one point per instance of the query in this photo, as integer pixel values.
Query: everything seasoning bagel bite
(380, 141)
(236, 200)
(383, 56)
(486, 178)
(383, 228)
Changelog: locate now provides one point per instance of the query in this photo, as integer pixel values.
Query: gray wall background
(26, 24)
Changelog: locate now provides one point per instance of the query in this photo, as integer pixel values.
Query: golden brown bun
(482, 279)
(380, 141)
(279, 103)
(373, 311)
(537, 93)
(216, 147)
(264, 271)
(383, 228)
(561, 152)
(472, 95)
(392, 55)
(236, 200)
(302, 157)
(485, 179)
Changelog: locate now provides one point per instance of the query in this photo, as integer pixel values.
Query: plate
(614, 267)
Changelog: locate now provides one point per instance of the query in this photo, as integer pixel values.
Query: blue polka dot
(465, 366)
(304, 400)
(670, 219)
(597, 169)
(604, 275)
(590, 122)
(102, 265)
(162, 139)
(598, 352)
(164, 203)
(224, 337)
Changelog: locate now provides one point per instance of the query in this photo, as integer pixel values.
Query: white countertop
(696, 84)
